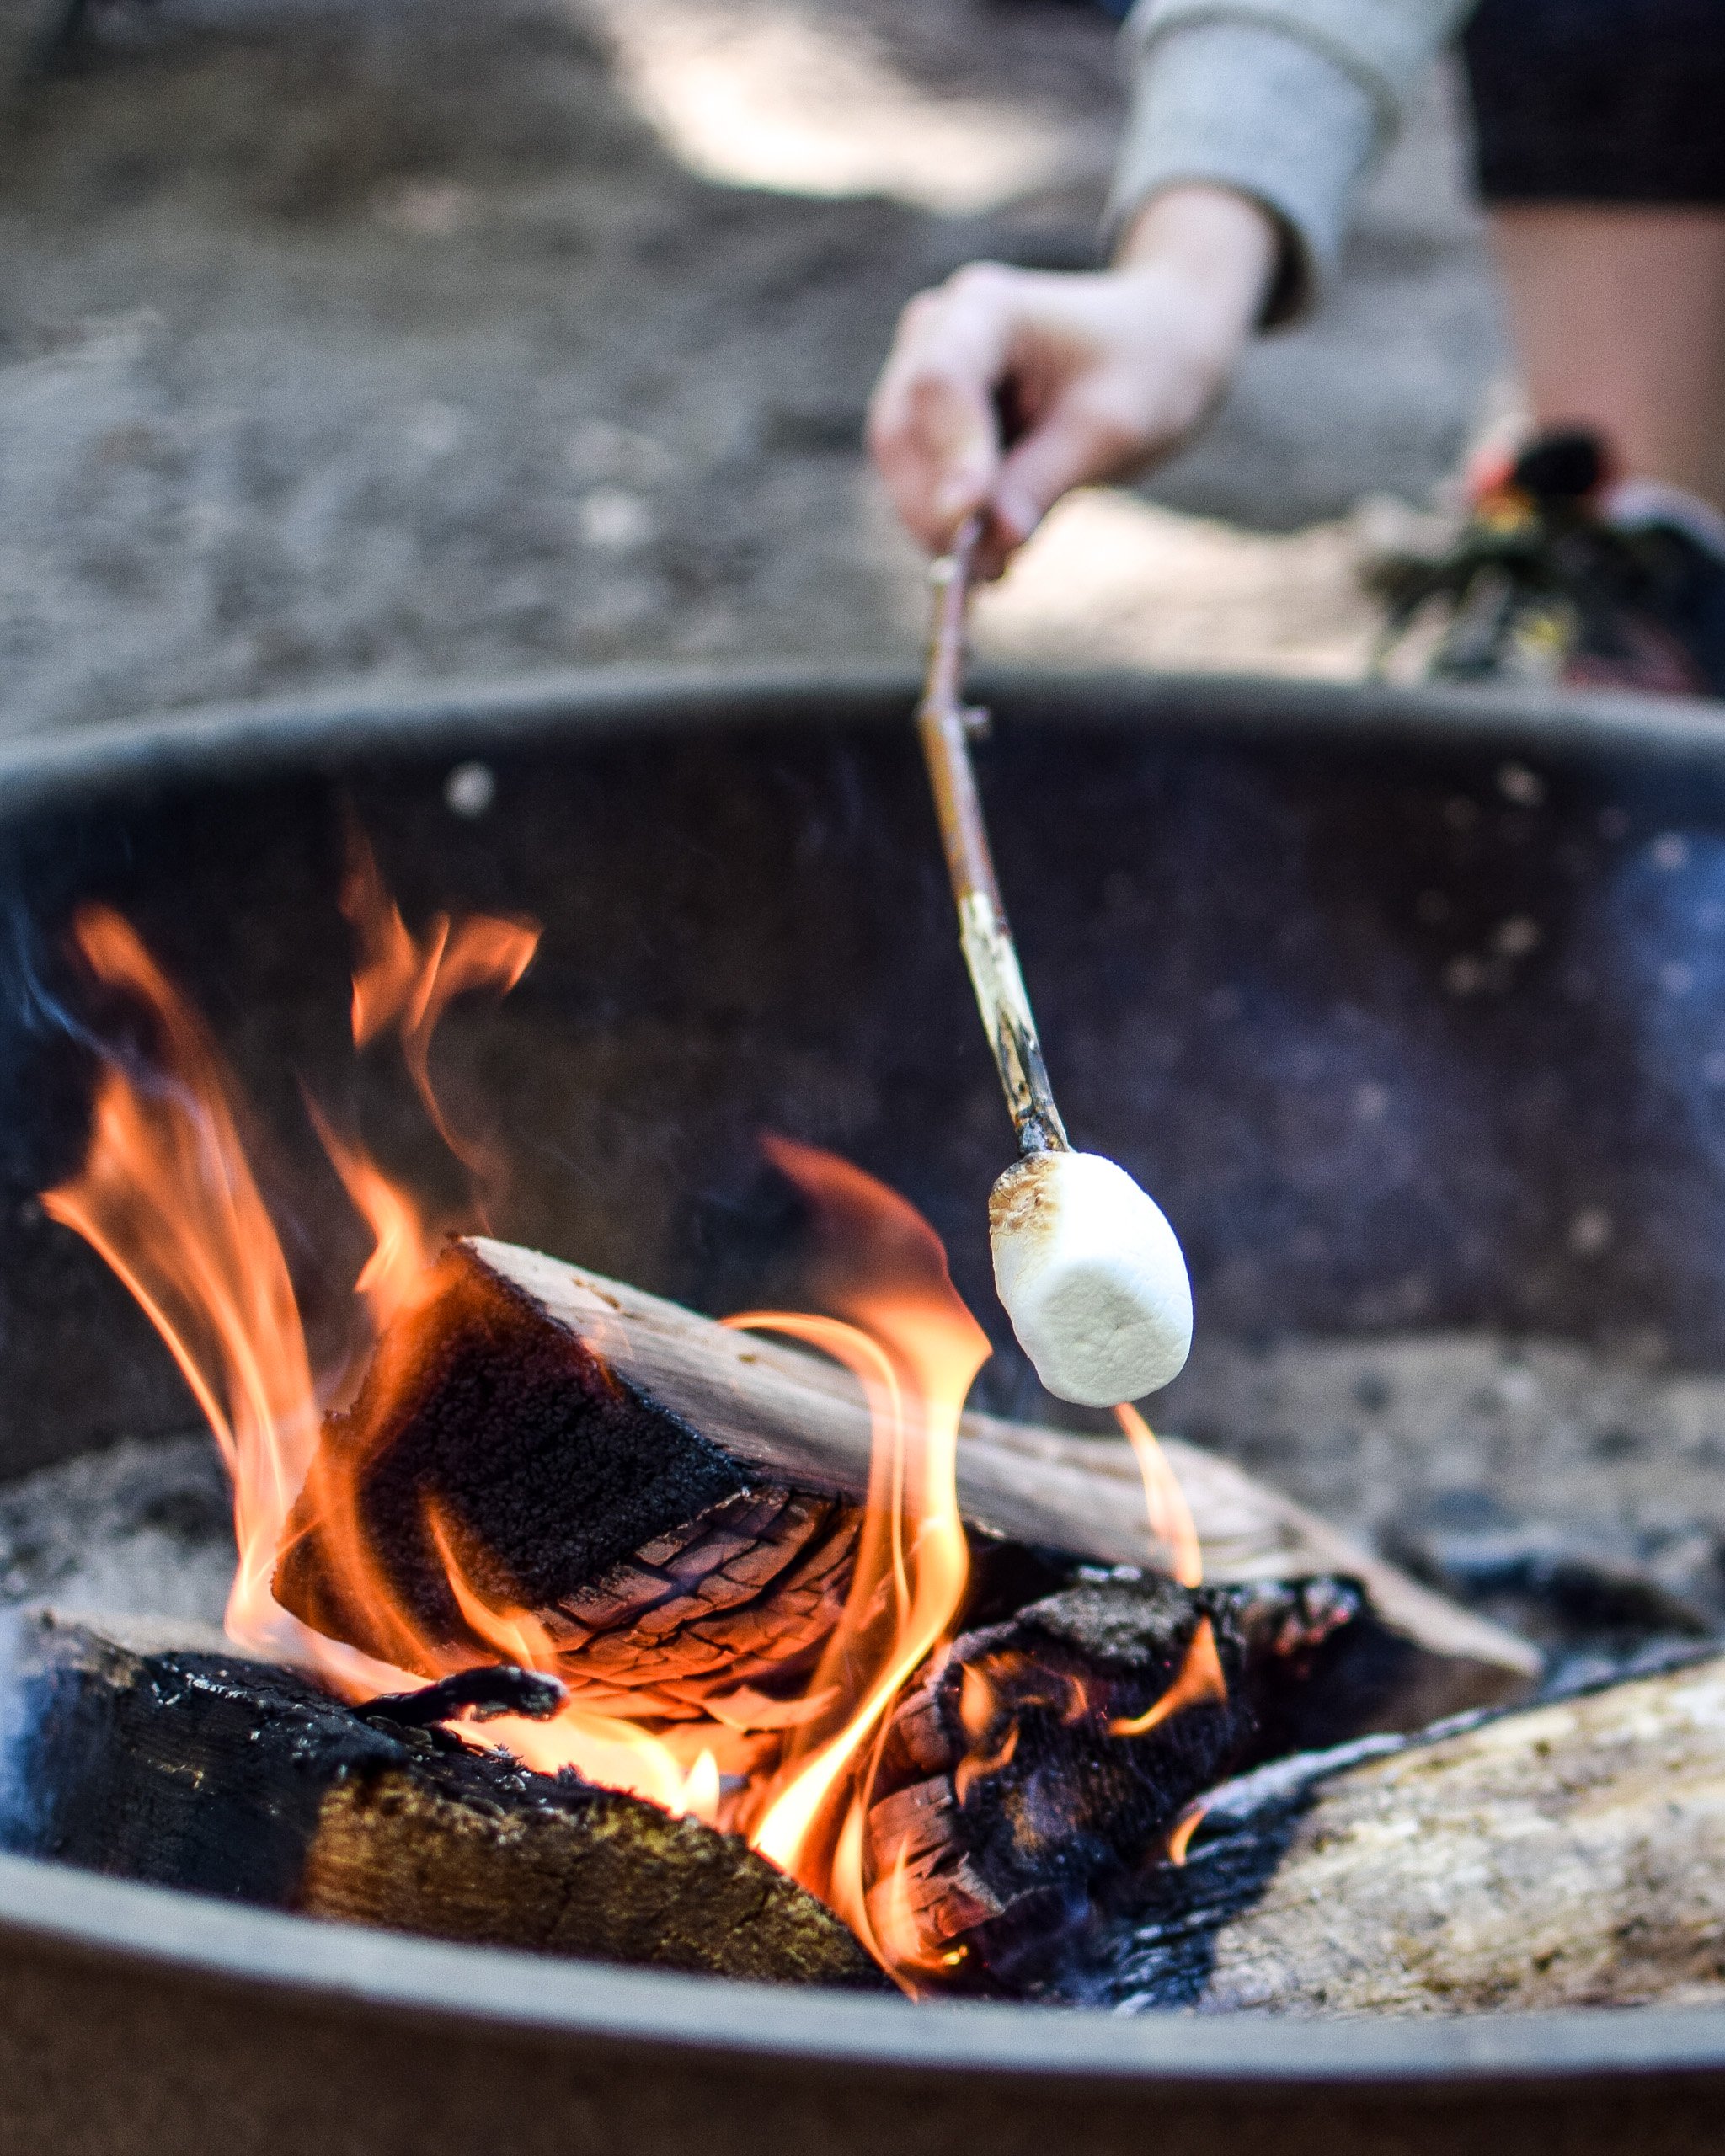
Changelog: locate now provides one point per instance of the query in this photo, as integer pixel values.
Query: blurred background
(362, 339)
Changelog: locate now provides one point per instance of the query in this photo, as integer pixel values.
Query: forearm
(1284, 102)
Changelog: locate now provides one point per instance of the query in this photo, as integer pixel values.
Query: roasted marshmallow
(1091, 1277)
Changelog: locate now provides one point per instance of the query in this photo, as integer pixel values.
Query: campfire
(566, 1617)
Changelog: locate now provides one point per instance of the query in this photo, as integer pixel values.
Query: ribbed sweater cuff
(1237, 105)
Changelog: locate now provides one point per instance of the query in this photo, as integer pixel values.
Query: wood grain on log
(188, 1766)
(1569, 1855)
(677, 1501)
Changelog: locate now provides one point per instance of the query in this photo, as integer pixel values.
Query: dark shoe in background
(1542, 583)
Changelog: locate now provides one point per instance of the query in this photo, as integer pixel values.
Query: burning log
(1565, 1856)
(1034, 1776)
(735, 1559)
(670, 1514)
(146, 1757)
(677, 1503)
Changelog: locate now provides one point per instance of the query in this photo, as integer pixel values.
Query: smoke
(22, 1803)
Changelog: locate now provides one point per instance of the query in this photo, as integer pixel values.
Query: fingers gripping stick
(1086, 1267)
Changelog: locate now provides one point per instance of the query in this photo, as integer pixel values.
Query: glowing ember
(1199, 1682)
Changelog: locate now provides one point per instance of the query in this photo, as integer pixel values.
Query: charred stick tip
(492, 1688)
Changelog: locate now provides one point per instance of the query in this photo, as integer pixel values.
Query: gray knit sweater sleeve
(1289, 101)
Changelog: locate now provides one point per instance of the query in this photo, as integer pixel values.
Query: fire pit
(1411, 1026)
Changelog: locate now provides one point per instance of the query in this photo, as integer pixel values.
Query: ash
(140, 1530)
(1573, 1496)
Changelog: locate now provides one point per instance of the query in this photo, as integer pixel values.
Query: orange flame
(915, 1350)
(605, 1747)
(976, 1701)
(1185, 1827)
(167, 1196)
(1172, 1526)
(408, 982)
(977, 1767)
(393, 1277)
(1199, 1682)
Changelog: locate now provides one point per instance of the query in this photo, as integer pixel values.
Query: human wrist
(1222, 248)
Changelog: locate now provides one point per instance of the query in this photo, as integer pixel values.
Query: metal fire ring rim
(251, 741)
(196, 1940)
(165, 1933)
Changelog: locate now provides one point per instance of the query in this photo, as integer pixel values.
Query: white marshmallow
(1091, 1275)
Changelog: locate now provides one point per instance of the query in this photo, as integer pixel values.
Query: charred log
(677, 1503)
(192, 1768)
(1570, 1854)
(656, 1560)
(1034, 1778)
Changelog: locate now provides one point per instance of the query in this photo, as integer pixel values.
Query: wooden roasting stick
(154, 1752)
(1570, 1854)
(945, 721)
(1086, 1265)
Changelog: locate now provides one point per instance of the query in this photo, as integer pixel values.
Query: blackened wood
(199, 1769)
(659, 1562)
(678, 1501)
(1570, 1854)
(480, 1695)
(1014, 1801)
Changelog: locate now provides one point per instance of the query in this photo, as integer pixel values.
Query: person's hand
(1007, 388)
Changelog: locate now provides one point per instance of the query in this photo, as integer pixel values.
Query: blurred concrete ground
(351, 338)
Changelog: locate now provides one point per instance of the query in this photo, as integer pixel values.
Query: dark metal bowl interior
(1377, 993)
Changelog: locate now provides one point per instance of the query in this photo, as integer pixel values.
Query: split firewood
(1033, 1777)
(1569, 1855)
(677, 1503)
(142, 1756)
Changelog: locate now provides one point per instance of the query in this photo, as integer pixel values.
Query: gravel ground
(347, 339)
